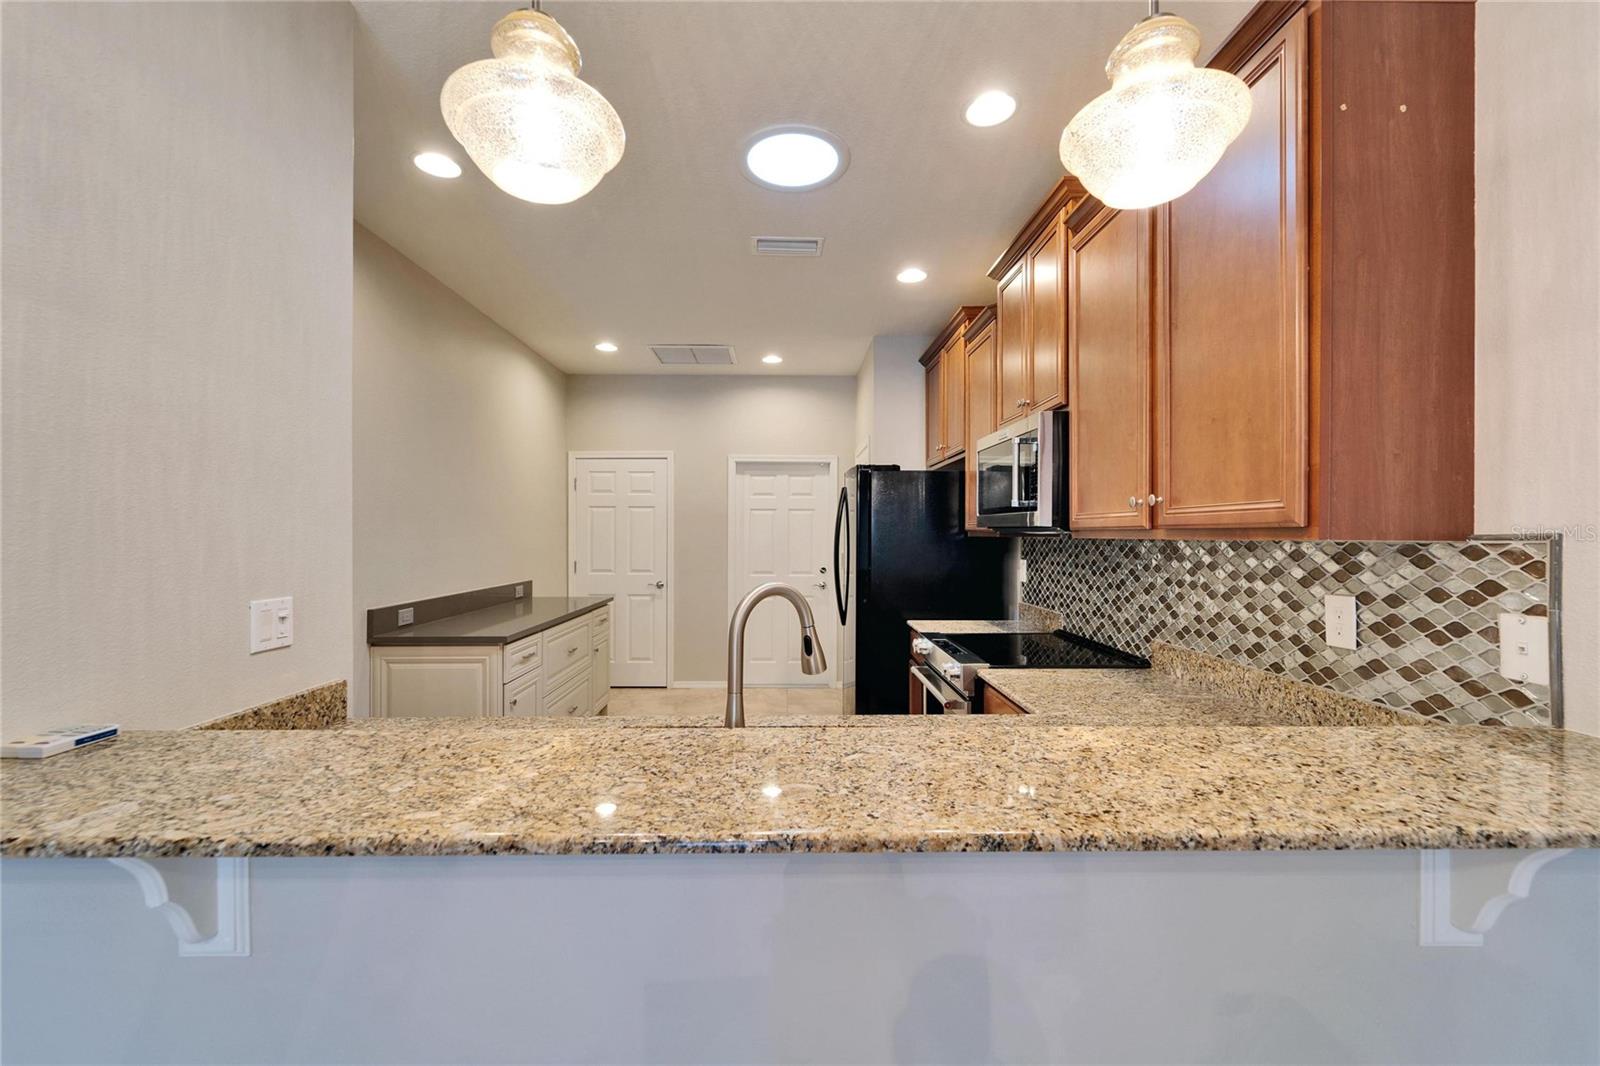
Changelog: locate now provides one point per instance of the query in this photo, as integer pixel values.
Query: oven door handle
(936, 687)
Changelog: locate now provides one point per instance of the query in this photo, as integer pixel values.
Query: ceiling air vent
(693, 354)
(786, 245)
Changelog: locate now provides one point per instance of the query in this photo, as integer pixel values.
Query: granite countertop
(1191, 754)
(503, 623)
(950, 784)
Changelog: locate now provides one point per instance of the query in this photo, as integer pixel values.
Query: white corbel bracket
(1438, 928)
(217, 890)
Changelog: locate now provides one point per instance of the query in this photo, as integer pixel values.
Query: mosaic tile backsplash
(1427, 612)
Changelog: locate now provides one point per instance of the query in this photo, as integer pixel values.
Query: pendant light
(1164, 122)
(536, 129)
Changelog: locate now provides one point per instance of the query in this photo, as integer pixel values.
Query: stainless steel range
(944, 667)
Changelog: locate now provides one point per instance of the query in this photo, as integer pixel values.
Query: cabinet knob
(1133, 503)
(1153, 499)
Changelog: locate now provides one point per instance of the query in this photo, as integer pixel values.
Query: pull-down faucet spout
(812, 661)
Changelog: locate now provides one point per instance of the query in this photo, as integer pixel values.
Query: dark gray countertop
(503, 623)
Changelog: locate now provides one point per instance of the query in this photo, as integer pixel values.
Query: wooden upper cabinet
(1108, 360)
(933, 419)
(981, 398)
(1047, 319)
(953, 364)
(980, 360)
(1233, 352)
(1013, 373)
(945, 389)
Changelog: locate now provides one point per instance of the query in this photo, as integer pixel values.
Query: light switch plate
(271, 624)
(1525, 649)
(407, 615)
(1339, 620)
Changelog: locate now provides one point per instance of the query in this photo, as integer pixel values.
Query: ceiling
(659, 252)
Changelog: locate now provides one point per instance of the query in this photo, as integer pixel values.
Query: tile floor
(758, 702)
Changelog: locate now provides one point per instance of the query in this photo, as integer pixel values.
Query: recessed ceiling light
(991, 108)
(772, 358)
(438, 164)
(794, 158)
(605, 346)
(911, 275)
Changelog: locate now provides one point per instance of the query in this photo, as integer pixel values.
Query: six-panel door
(783, 515)
(619, 547)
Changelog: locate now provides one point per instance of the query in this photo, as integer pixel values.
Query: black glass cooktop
(1044, 651)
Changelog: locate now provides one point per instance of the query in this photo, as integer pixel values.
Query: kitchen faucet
(812, 660)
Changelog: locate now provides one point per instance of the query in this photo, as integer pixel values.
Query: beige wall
(460, 447)
(891, 402)
(702, 420)
(176, 335)
(1538, 318)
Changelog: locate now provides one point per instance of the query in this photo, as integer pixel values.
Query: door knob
(658, 585)
(822, 584)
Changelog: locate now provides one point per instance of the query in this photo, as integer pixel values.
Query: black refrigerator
(900, 551)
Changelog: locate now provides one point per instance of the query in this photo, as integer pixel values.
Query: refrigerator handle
(841, 568)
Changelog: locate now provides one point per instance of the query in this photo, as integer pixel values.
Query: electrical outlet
(271, 624)
(407, 615)
(518, 594)
(1339, 620)
(1525, 649)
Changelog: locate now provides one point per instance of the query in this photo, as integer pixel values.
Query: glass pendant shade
(1163, 124)
(533, 127)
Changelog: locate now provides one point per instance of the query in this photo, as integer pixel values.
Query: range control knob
(952, 671)
(922, 645)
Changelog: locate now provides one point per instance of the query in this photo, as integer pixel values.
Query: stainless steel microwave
(1022, 475)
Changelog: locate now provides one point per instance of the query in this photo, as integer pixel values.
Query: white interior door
(782, 530)
(619, 516)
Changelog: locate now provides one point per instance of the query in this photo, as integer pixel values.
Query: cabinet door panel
(933, 414)
(1047, 312)
(1108, 359)
(600, 677)
(1233, 346)
(954, 399)
(980, 358)
(435, 682)
(1012, 327)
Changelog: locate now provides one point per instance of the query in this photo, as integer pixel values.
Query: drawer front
(566, 649)
(571, 700)
(522, 696)
(600, 626)
(523, 656)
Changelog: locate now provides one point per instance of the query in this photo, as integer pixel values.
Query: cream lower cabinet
(436, 682)
(564, 671)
